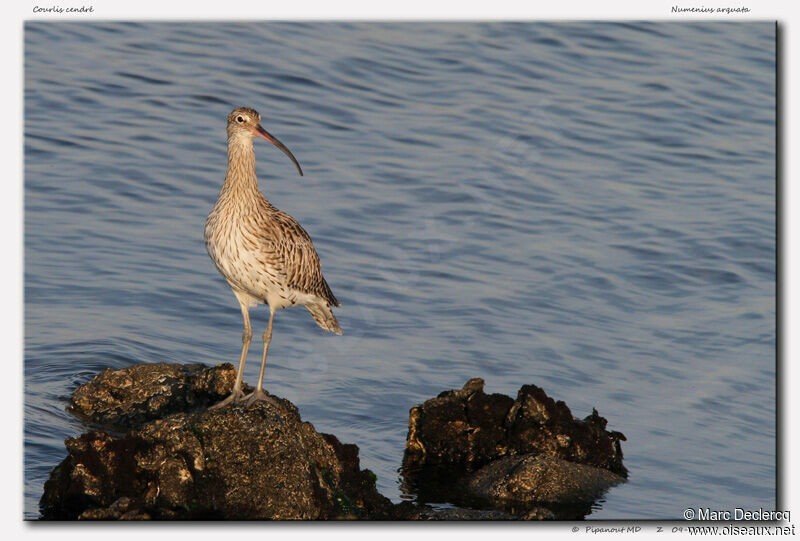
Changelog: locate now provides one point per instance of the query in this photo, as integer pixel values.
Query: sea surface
(589, 207)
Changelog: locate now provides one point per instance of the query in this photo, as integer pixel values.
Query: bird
(264, 254)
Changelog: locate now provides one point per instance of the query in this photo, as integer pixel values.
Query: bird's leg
(259, 394)
(237, 394)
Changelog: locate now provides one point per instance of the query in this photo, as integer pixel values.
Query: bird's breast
(242, 251)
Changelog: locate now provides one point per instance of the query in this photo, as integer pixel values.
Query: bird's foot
(236, 396)
(259, 396)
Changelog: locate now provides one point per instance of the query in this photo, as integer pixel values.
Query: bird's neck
(241, 174)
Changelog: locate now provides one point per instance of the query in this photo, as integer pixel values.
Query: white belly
(247, 271)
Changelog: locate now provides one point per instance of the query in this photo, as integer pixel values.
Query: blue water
(589, 207)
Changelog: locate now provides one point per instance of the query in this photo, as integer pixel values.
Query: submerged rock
(521, 482)
(472, 448)
(409, 511)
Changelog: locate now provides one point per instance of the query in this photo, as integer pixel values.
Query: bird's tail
(324, 317)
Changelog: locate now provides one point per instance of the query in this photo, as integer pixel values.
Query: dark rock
(230, 463)
(132, 396)
(459, 432)
(538, 424)
(468, 429)
(122, 509)
(542, 513)
(517, 483)
(181, 461)
(362, 493)
(463, 427)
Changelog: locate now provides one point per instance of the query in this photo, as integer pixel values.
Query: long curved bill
(264, 134)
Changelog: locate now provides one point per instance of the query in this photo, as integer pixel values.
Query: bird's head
(244, 122)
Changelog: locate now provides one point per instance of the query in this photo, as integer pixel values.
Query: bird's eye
(239, 119)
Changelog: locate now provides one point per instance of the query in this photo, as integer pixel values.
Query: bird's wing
(299, 259)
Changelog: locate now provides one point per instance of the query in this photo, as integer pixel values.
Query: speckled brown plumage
(261, 250)
(264, 254)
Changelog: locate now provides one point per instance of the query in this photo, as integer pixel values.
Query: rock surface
(231, 463)
(469, 428)
(131, 396)
(183, 461)
(470, 447)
